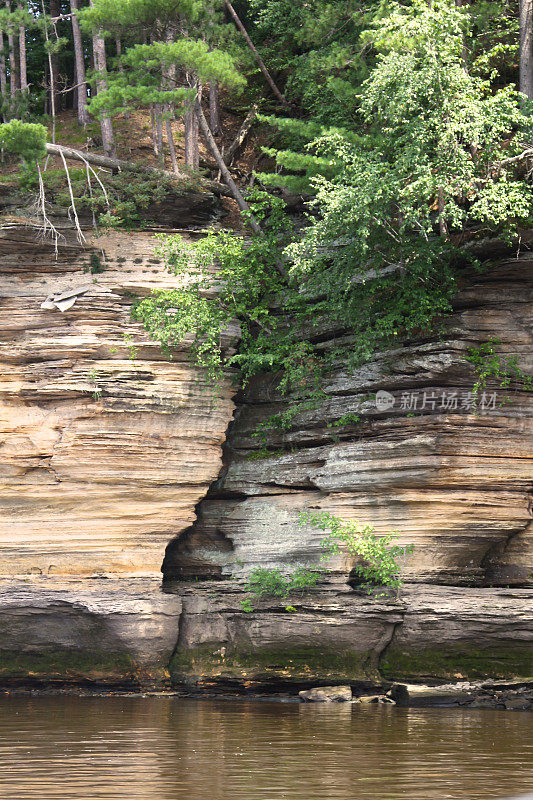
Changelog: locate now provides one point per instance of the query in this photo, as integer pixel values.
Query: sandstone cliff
(108, 448)
(452, 480)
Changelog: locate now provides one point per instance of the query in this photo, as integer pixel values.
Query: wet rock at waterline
(327, 694)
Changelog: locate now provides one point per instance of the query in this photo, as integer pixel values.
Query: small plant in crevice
(264, 452)
(346, 419)
(379, 565)
(92, 377)
(504, 370)
(95, 265)
(132, 348)
(263, 582)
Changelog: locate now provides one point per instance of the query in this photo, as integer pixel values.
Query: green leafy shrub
(489, 365)
(379, 566)
(264, 582)
(24, 139)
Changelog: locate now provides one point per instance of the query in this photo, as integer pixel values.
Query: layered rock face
(110, 450)
(452, 479)
(106, 447)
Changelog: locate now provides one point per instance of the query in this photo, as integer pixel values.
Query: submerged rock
(327, 694)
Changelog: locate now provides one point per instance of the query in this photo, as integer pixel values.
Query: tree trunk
(118, 45)
(172, 148)
(262, 67)
(190, 121)
(3, 77)
(100, 64)
(152, 123)
(117, 164)
(214, 109)
(192, 155)
(51, 75)
(14, 83)
(22, 56)
(55, 11)
(81, 94)
(169, 82)
(526, 48)
(235, 191)
(158, 130)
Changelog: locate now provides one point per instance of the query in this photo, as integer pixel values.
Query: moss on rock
(66, 665)
(289, 664)
(458, 662)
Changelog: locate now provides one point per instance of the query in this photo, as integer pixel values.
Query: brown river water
(170, 748)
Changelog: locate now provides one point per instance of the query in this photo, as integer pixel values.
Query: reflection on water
(167, 748)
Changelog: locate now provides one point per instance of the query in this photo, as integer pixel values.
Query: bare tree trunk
(51, 73)
(169, 83)
(100, 63)
(235, 191)
(262, 67)
(55, 11)
(190, 121)
(154, 134)
(158, 130)
(3, 77)
(83, 114)
(214, 109)
(22, 56)
(172, 148)
(118, 45)
(526, 48)
(192, 155)
(13, 71)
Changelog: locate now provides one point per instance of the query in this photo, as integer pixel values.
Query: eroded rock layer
(452, 479)
(106, 444)
(108, 448)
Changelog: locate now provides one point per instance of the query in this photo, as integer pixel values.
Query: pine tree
(79, 60)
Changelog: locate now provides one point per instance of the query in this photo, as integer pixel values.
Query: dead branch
(79, 232)
(262, 67)
(235, 191)
(118, 165)
(242, 133)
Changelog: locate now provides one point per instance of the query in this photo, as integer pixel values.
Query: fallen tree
(119, 165)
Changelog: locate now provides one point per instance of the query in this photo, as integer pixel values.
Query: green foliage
(264, 582)
(249, 283)
(346, 419)
(129, 195)
(430, 155)
(378, 565)
(489, 365)
(143, 82)
(95, 264)
(318, 44)
(430, 159)
(23, 139)
(96, 391)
